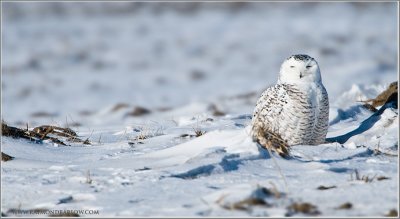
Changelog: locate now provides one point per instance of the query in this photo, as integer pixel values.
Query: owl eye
(292, 66)
(308, 66)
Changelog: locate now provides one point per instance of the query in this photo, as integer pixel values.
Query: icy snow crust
(184, 63)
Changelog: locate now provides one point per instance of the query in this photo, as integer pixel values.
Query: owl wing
(266, 117)
(322, 124)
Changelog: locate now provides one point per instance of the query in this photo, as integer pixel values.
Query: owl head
(299, 69)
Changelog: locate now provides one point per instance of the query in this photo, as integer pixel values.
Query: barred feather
(291, 113)
(273, 141)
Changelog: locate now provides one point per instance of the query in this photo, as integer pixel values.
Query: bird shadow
(368, 123)
(368, 152)
(346, 114)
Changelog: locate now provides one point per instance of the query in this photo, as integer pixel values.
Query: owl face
(299, 69)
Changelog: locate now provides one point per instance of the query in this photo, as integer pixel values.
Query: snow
(74, 69)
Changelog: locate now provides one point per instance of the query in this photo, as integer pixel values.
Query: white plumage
(295, 110)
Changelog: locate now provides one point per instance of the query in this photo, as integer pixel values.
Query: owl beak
(301, 75)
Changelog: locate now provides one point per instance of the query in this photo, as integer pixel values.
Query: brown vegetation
(257, 199)
(246, 204)
(364, 178)
(379, 178)
(6, 157)
(325, 187)
(346, 205)
(392, 213)
(215, 111)
(45, 132)
(390, 94)
(139, 111)
(305, 208)
(198, 132)
(119, 106)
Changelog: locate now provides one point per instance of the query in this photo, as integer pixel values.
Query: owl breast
(299, 114)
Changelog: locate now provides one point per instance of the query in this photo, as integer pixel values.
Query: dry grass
(187, 136)
(88, 178)
(119, 106)
(6, 157)
(370, 107)
(379, 178)
(365, 178)
(305, 208)
(246, 204)
(325, 187)
(198, 132)
(45, 132)
(346, 206)
(43, 114)
(139, 111)
(256, 199)
(146, 133)
(389, 94)
(215, 111)
(164, 109)
(14, 132)
(392, 213)
(378, 151)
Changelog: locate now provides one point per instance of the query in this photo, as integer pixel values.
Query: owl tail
(271, 141)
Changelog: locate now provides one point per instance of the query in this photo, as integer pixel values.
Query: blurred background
(69, 59)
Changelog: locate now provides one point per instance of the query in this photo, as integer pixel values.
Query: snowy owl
(295, 110)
